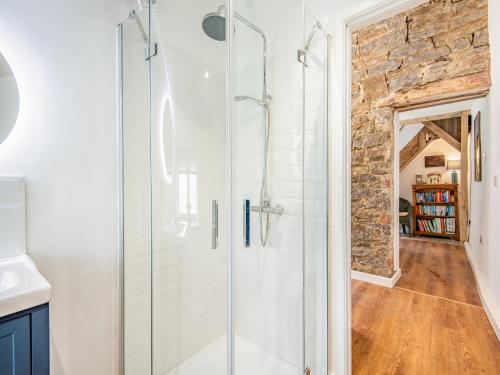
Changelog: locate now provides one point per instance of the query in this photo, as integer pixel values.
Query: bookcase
(435, 211)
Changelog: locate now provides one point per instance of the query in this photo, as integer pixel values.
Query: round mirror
(9, 99)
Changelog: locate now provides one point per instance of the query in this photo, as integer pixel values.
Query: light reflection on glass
(188, 197)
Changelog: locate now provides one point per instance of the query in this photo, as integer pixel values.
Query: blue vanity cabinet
(24, 342)
(15, 346)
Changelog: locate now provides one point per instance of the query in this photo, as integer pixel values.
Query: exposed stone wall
(436, 51)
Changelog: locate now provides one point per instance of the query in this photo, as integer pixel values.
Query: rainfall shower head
(214, 24)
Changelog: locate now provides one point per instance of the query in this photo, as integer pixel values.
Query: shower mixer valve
(268, 209)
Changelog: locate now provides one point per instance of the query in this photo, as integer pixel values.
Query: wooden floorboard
(421, 329)
(437, 269)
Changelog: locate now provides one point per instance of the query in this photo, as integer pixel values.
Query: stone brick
(374, 87)
(431, 54)
(460, 32)
(407, 79)
(382, 115)
(383, 45)
(481, 38)
(411, 48)
(370, 140)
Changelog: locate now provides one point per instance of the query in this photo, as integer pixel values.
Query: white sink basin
(21, 285)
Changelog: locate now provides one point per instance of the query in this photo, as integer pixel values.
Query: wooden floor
(431, 323)
(437, 269)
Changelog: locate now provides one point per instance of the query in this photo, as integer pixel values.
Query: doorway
(432, 178)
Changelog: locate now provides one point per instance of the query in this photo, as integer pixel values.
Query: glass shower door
(316, 77)
(224, 219)
(135, 194)
(268, 172)
(188, 192)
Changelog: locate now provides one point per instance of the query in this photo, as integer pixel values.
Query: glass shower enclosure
(223, 188)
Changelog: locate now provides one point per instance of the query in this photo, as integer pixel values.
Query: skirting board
(388, 282)
(482, 291)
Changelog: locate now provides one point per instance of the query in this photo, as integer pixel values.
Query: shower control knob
(278, 210)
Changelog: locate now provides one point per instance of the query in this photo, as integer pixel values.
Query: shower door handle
(215, 224)
(246, 222)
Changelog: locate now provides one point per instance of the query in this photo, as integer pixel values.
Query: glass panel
(268, 275)
(174, 179)
(315, 196)
(188, 169)
(136, 196)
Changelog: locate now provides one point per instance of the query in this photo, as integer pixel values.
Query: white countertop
(21, 285)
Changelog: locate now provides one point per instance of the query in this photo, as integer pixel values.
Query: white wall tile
(12, 217)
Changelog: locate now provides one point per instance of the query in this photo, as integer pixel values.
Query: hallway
(432, 322)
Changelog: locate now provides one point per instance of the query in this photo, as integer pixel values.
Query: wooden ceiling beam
(421, 120)
(432, 126)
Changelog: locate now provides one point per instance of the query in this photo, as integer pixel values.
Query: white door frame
(395, 181)
(369, 12)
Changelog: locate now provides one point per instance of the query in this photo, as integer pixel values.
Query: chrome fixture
(214, 25)
(133, 16)
(302, 53)
(275, 210)
(240, 98)
(144, 3)
(151, 49)
(317, 26)
(215, 224)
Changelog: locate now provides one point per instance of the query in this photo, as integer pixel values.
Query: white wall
(417, 166)
(478, 213)
(62, 54)
(12, 217)
(9, 104)
(485, 202)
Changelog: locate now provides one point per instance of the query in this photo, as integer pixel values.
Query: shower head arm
(133, 15)
(223, 8)
(317, 26)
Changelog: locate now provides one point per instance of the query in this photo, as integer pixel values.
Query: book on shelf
(429, 210)
(435, 197)
(437, 225)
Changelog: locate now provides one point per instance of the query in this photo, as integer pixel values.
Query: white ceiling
(407, 133)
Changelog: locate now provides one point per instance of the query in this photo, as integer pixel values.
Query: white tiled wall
(268, 306)
(270, 284)
(12, 217)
